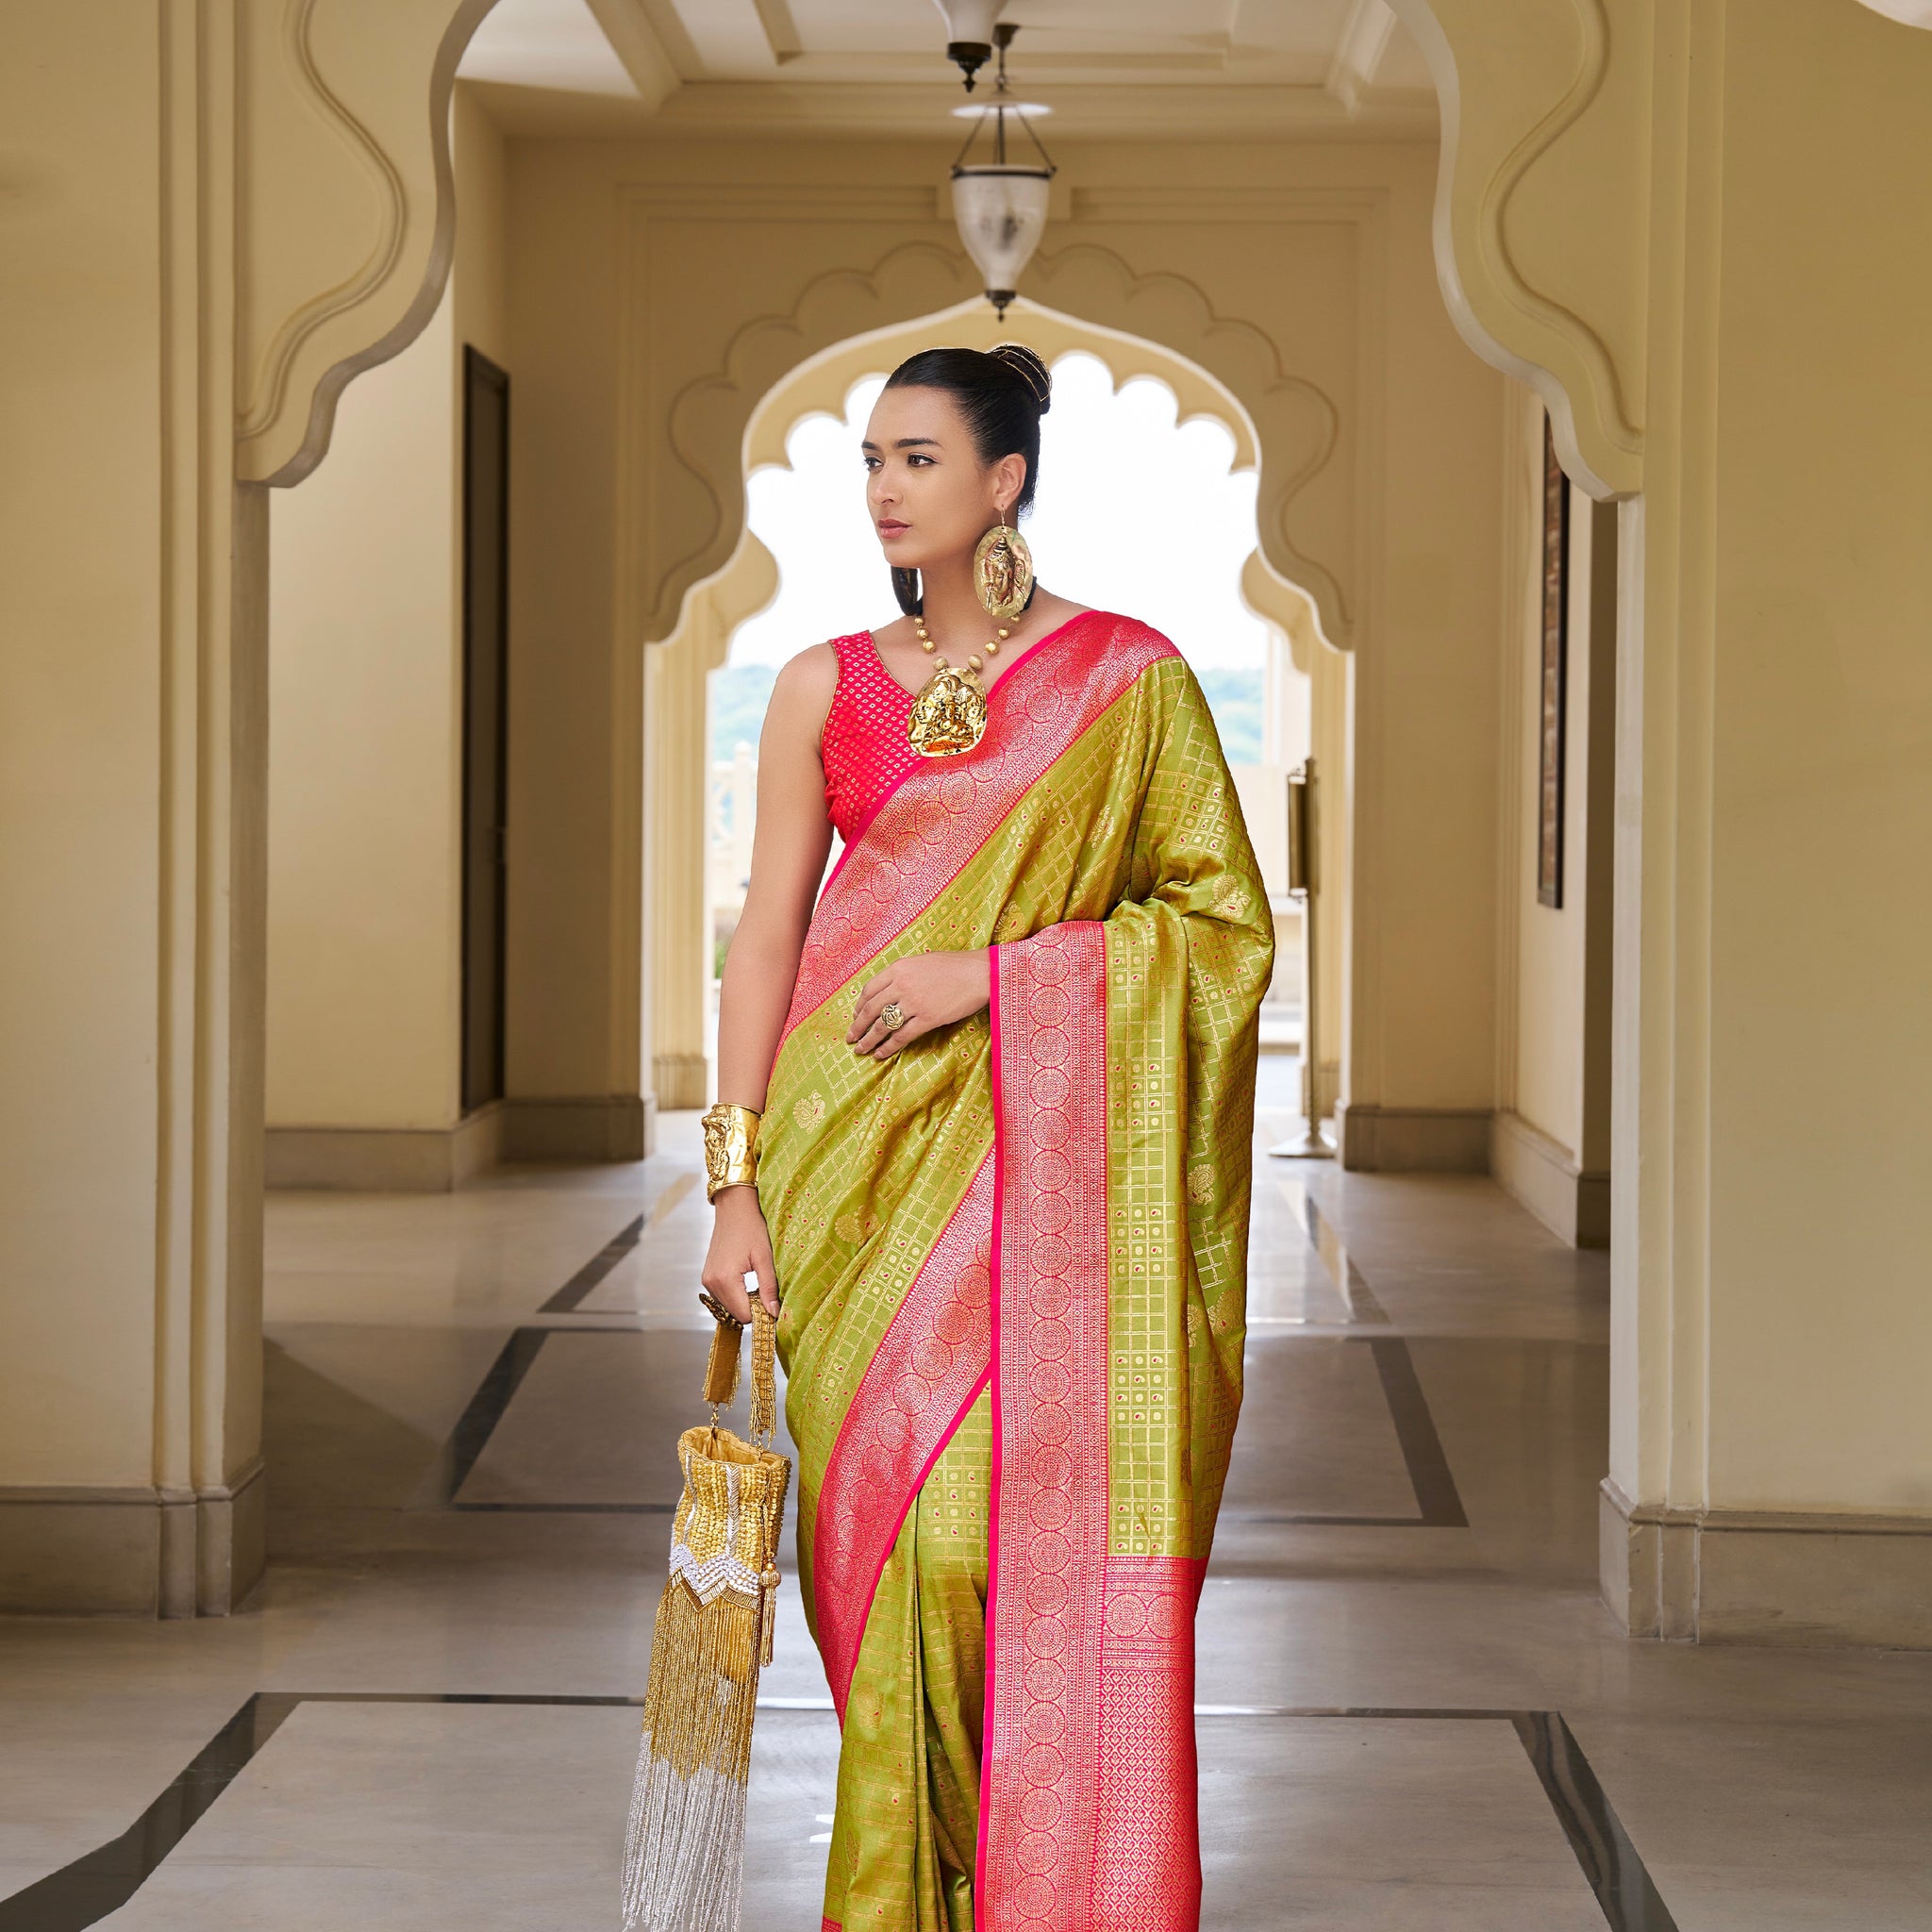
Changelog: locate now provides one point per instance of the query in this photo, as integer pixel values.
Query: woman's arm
(789, 851)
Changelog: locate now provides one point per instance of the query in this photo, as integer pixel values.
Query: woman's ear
(1009, 478)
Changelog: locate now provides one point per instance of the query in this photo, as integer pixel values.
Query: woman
(993, 1095)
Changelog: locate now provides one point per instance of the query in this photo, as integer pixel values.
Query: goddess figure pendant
(948, 715)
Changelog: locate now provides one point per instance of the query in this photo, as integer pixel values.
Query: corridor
(1414, 1712)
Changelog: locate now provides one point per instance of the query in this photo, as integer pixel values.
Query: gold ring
(892, 1015)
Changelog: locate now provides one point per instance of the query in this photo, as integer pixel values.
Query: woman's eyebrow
(904, 443)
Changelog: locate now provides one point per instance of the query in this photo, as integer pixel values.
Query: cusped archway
(674, 942)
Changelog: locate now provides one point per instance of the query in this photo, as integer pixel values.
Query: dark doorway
(486, 720)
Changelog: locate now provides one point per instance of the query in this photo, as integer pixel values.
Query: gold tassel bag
(683, 1850)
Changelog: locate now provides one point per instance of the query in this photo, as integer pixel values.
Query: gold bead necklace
(972, 658)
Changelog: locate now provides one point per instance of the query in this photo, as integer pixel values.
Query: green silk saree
(1012, 1260)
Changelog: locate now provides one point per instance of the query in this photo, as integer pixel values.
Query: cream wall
(1549, 1141)
(1820, 771)
(362, 836)
(683, 280)
(366, 763)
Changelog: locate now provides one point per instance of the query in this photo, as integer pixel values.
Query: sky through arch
(1135, 512)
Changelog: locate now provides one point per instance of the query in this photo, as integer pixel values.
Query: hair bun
(1031, 370)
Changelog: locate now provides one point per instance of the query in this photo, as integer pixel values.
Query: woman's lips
(888, 529)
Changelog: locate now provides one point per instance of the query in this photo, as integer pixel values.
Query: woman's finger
(872, 1000)
(878, 1032)
(729, 1288)
(899, 1036)
(767, 1280)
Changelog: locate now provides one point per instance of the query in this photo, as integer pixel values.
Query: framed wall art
(1554, 677)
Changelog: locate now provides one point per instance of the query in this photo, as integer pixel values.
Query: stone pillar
(170, 344)
(1738, 354)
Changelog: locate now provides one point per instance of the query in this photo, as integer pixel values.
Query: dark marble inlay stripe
(85, 1892)
(1435, 1489)
(1624, 1887)
(593, 1271)
(485, 1410)
(1438, 1500)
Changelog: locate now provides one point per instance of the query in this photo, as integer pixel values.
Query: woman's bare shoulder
(808, 673)
(802, 693)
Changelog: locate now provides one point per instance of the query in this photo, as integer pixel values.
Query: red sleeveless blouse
(864, 748)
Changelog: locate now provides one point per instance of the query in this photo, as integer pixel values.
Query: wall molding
(1543, 1174)
(1809, 1578)
(1413, 1139)
(132, 1550)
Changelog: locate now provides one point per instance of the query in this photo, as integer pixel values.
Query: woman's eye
(916, 457)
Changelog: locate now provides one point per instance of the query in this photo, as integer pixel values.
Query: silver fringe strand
(683, 1852)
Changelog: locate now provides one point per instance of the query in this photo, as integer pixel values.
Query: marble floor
(1414, 1713)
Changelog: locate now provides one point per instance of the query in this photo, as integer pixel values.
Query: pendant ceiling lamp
(969, 33)
(999, 203)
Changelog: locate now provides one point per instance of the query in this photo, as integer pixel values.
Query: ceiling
(1281, 69)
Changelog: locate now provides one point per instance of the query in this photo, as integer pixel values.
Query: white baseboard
(1414, 1139)
(1797, 1578)
(1541, 1175)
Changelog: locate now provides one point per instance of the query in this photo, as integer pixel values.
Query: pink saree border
(1040, 1770)
(926, 1373)
(1088, 1776)
(937, 817)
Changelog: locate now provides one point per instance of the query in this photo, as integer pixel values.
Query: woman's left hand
(931, 990)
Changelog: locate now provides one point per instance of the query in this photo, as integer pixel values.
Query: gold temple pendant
(948, 715)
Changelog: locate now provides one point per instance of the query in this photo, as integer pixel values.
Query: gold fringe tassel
(684, 1846)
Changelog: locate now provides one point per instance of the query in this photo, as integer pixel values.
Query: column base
(437, 1160)
(1797, 1578)
(99, 1551)
(411, 1160)
(615, 1127)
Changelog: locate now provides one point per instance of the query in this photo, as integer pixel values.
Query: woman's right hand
(740, 1246)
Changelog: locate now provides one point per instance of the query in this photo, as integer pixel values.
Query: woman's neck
(954, 617)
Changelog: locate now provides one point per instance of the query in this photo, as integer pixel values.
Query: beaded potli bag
(684, 1850)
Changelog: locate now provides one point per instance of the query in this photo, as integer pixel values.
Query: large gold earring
(1003, 571)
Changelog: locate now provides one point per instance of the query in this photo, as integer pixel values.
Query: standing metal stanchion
(1302, 884)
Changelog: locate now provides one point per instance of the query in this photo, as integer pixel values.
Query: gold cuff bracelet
(731, 1146)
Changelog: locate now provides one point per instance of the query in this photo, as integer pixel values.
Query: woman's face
(929, 495)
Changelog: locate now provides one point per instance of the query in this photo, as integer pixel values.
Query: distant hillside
(739, 694)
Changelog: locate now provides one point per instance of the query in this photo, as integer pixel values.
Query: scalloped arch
(1561, 121)
(820, 386)
(346, 237)
(1220, 366)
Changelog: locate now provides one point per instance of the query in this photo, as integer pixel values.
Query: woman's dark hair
(1002, 392)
